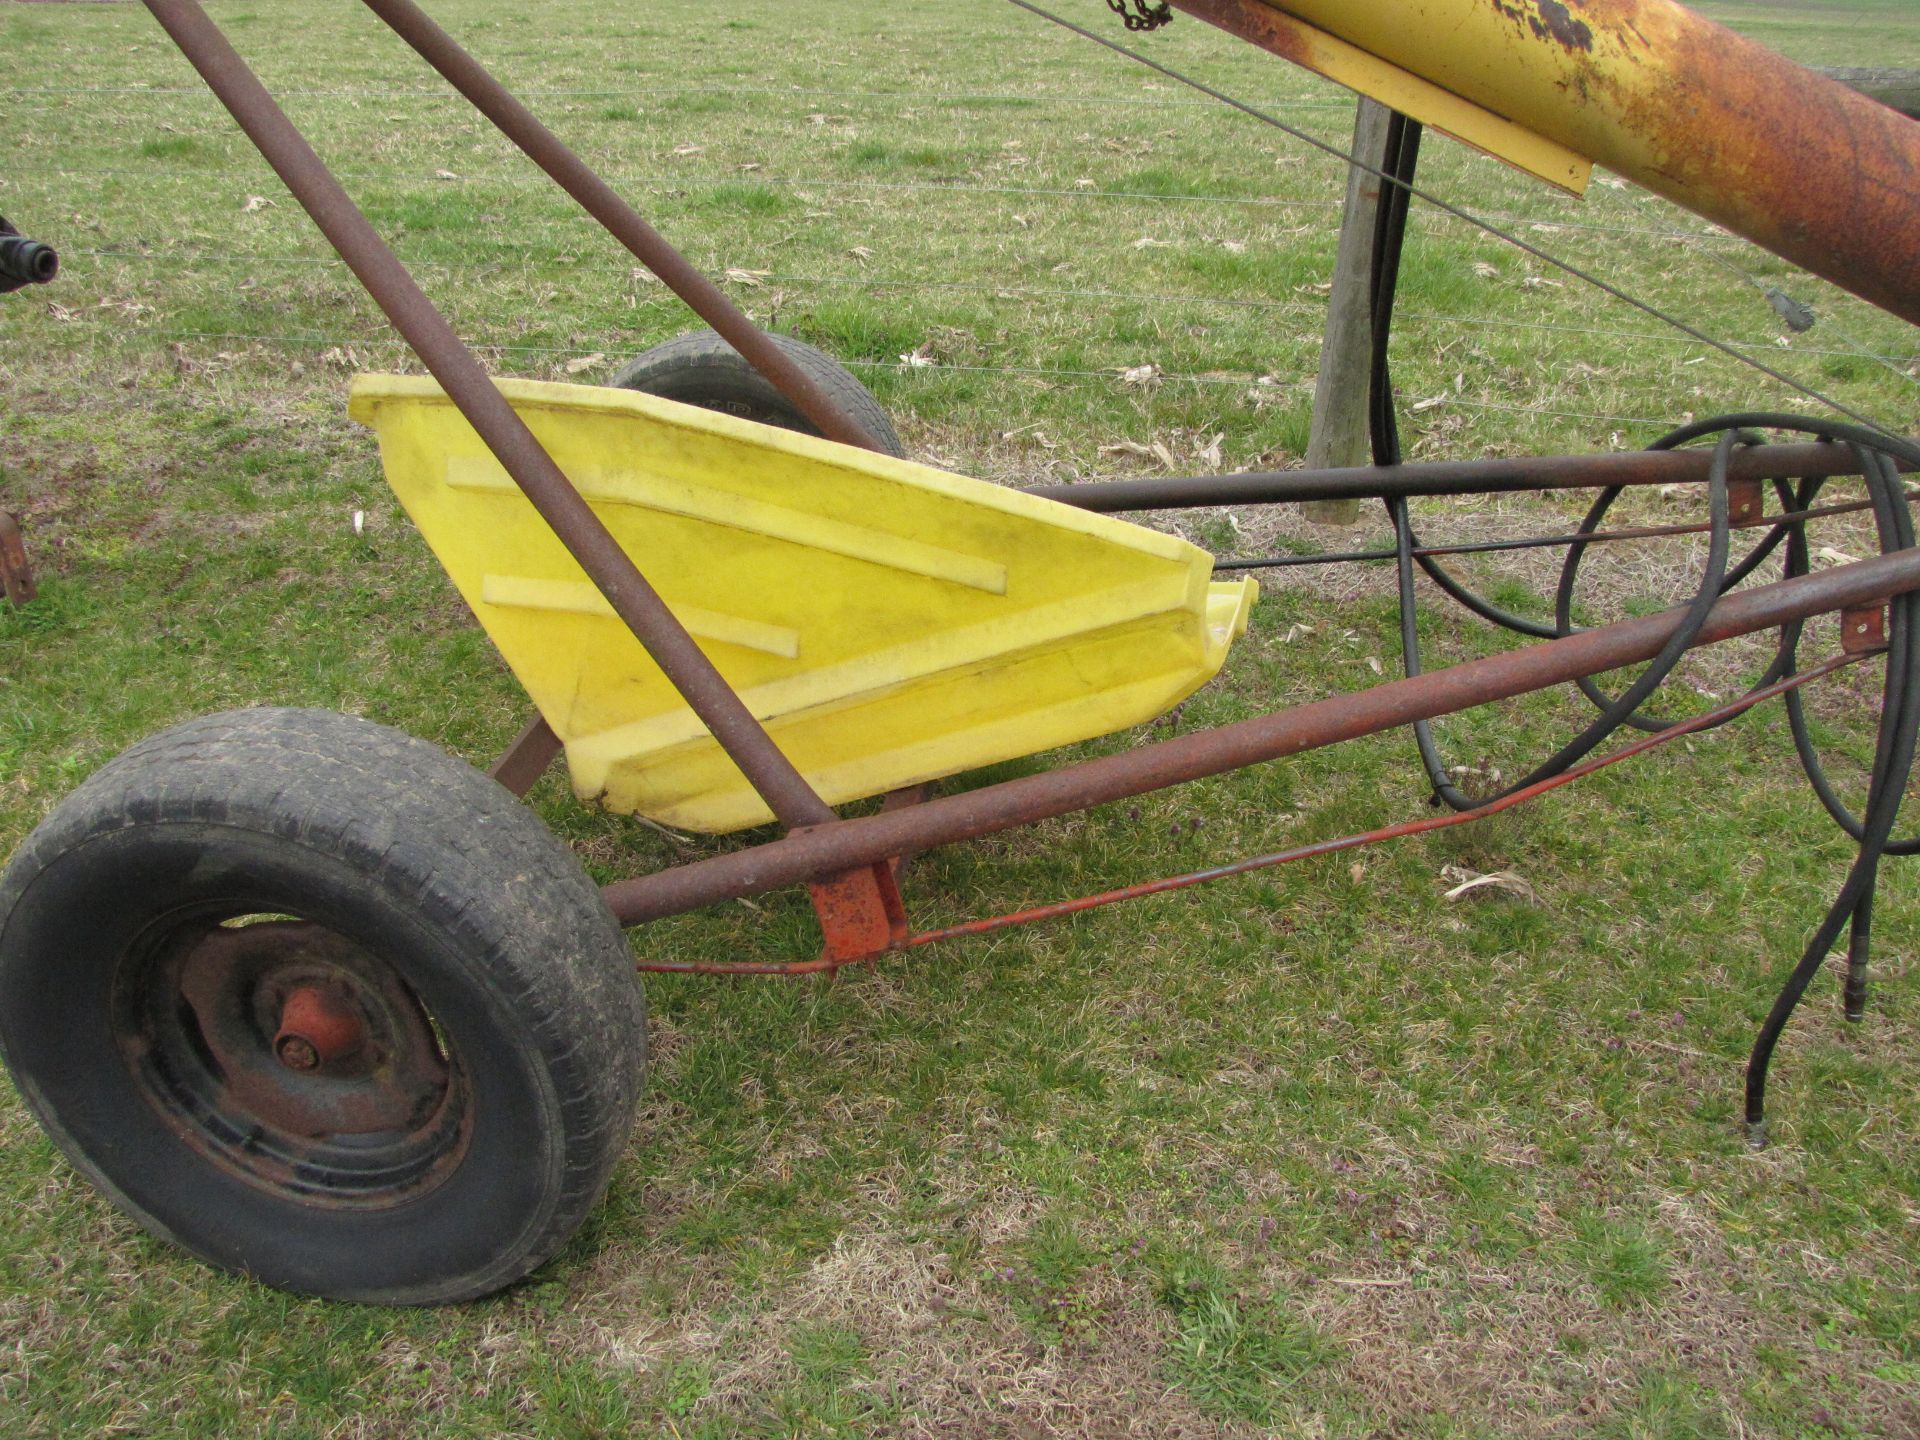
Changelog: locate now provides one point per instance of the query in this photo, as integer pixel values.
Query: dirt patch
(953, 1351)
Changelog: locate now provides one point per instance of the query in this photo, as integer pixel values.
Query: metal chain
(1142, 16)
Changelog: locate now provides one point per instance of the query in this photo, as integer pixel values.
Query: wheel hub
(296, 1057)
(318, 1027)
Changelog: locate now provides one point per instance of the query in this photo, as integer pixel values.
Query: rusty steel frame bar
(1859, 640)
(1542, 542)
(587, 539)
(1456, 477)
(620, 219)
(833, 849)
(16, 572)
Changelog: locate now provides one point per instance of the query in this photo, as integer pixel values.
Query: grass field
(1316, 1153)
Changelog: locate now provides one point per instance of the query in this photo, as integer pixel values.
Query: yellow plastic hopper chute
(888, 622)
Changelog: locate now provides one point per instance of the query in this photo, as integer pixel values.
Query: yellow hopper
(889, 623)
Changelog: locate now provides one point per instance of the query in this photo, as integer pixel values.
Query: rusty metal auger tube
(635, 601)
(1741, 136)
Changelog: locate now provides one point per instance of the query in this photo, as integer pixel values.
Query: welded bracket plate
(1746, 502)
(861, 913)
(1863, 628)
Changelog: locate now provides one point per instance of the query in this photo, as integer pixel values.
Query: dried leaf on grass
(1466, 881)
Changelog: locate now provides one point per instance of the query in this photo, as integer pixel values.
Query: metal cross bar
(1458, 477)
(1210, 752)
(633, 599)
(621, 220)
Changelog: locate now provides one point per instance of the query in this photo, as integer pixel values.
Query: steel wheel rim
(291, 1058)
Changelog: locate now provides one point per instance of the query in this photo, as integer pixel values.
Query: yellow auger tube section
(890, 623)
(1739, 135)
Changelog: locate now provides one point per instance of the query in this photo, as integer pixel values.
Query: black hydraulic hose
(1808, 751)
(1892, 766)
(1726, 580)
(1615, 712)
(1899, 730)
(1389, 242)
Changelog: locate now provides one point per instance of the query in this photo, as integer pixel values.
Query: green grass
(1310, 1152)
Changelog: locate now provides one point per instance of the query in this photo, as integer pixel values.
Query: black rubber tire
(488, 921)
(702, 369)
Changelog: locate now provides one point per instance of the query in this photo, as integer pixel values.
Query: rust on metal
(523, 762)
(1549, 20)
(1457, 477)
(861, 913)
(16, 574)
(829, 850)
(351, 1052)
(559, 503)
(319, 1025)
(1746, 501)
(1863, 629)
(899, 800)
(1736, 133)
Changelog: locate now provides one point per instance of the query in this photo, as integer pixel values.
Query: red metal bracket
(861, 914)
(16, 575)
(1863, 628)
(1746, 502)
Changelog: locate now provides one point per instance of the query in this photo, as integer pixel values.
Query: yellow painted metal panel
(1403, 90)
(889, 622)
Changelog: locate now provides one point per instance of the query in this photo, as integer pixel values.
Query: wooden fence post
(1339, 431)
(1338, 435)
